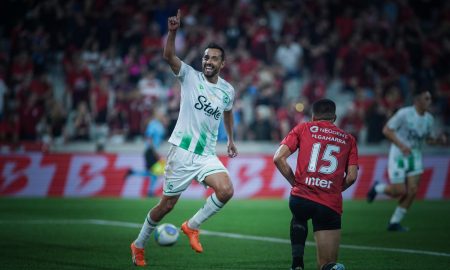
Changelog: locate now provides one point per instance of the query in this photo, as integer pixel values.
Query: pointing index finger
(178, 14)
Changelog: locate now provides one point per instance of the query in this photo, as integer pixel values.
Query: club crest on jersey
(226, 99)
(314, 129)
(204, 105)
(201, 87)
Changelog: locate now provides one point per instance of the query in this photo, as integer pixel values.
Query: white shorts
(401, 166)
(184, 166)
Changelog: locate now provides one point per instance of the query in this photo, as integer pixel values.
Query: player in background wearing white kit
(407, 130)
(204, 98)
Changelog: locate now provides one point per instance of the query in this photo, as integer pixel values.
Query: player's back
(324, 154)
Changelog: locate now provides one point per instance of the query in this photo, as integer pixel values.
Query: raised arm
(173, 24)
(228, 121)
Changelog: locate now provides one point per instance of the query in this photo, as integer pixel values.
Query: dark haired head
(218, 47)
(419, 91)
(324, 109)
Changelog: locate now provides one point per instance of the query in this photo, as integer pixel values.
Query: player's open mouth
(209, 68)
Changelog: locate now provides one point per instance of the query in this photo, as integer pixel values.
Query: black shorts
(323, 217)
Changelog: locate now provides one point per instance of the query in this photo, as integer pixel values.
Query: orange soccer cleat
(193, 237)
(137, 255)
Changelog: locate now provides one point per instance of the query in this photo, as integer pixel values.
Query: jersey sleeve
(230, 100)
(292, 140)
(185, 69)
(397, 119)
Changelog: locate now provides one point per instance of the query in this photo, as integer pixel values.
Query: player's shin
(144, 235)
(299, 232)
(212, 206)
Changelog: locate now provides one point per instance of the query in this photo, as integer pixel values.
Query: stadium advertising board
(254, 176)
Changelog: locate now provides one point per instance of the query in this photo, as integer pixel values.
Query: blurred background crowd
(93, 71)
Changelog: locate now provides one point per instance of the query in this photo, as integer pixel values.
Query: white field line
(220, 234)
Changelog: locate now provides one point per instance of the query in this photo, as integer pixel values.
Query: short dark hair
(324, 109)
(213, 45)
(419, 91)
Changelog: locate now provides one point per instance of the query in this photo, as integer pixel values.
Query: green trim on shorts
(174, 192)
(204, 174)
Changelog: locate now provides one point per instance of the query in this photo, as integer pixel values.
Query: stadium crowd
(93, 70)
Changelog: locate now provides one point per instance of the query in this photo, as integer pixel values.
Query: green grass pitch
(96, 234)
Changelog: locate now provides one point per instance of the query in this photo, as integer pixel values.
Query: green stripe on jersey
(401, 163)
(411, 162)
(200, 147)
(186, 141)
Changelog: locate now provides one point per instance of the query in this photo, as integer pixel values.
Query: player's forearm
(280, 161)
(285, 170)
(169, 48)
(228, 121)
(390, 135)
(350, 178)
(348, 182)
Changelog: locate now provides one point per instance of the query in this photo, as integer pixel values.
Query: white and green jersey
(411, 128)
(201, 108)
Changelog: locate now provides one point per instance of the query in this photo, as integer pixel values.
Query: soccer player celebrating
(205, 97)
(327, 164)
(407, 129)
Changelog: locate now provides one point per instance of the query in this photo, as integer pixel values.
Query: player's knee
(225, 193)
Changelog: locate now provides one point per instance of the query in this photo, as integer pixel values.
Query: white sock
(379, 188)
(146, 230)
(398, 215)
(212, 206)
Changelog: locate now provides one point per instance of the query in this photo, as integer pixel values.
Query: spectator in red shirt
(152, 42)
(315, 88)
(41, 86)
(55, 122)
(100, 97)
(22, 69)
(392, 100)
(9, 127)
(81, 123)
(79, 81)
(247, 65)
(345, 24)
(327, 164)
(349, 63)
(29, 117)
(353, 121)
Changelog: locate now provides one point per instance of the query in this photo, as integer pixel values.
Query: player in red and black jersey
(327, 164)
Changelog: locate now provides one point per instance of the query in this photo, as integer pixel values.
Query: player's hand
(173, 22)
(405, 150)
(232, 150)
